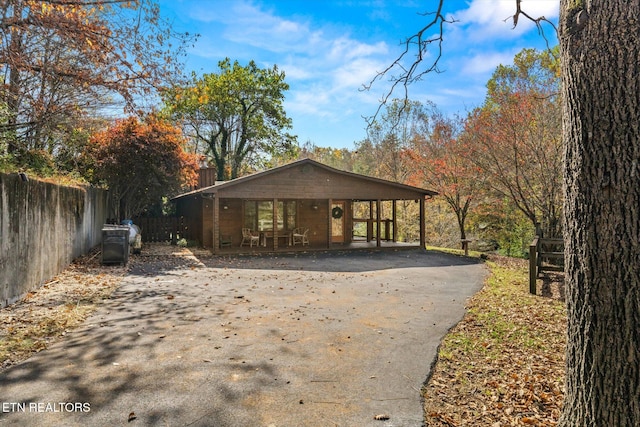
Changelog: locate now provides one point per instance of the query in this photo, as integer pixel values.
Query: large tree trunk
(600, 47)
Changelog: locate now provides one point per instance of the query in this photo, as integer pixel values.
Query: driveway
(313, 339)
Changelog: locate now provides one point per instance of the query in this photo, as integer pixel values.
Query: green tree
(339, 158)
(237, 114)
(499, 224)
(140, 162)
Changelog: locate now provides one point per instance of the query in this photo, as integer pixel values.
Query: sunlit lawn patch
(503, 364)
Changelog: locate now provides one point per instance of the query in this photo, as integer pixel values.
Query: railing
(544, 254)
(368, 227)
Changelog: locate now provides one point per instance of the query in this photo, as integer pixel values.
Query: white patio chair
(300, 236)
(248, 238)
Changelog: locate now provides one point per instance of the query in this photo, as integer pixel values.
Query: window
(250, 215)
(290, 212)
(265, 216)
(258, 215)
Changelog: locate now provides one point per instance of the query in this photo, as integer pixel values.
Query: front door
(337, 222)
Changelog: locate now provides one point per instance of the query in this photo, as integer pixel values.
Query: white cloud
(487, 62)
(309, 101)
(325, 66)
(270, 33)
(344, 48)
(309, 52)
(294, 71)
(353, 74)
(481, 40)
(490, 18)
(246, 24)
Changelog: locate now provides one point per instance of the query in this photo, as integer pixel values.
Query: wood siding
(191, 209)
(307, 181)
(232, 220)
(207, 223)
(206, 177)
(314, 220)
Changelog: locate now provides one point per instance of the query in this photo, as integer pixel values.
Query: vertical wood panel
(207, 223)
(216, 226)
(394, 216)
(423, 242)
(378, 223)
(329, 225)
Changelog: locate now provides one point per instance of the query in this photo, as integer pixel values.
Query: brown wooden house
(302, 205)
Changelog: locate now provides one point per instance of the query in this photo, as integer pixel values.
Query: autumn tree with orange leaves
(516, 137)
(140, 162)
(63, 61)
(439, 162)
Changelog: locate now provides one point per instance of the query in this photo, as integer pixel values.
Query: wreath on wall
(336, 212)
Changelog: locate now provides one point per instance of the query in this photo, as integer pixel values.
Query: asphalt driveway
(312, 339)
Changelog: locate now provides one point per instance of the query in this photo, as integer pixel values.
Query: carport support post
(394, 217)
(370, 222)
(378, 223)
(275, 224)
(330, 224)
(216, 225)
(423, 243)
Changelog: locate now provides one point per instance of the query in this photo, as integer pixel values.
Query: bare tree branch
(420, 43)
(538, 21)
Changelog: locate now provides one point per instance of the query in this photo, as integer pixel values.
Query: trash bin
(115, 244)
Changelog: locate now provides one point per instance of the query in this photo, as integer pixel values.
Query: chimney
(206, 177)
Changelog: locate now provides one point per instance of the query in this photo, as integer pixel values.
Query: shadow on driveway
(306, 339)
(329, 261)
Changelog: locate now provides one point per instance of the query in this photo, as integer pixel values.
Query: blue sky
(329, 49)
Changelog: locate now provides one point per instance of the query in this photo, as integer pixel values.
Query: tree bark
(600, 48)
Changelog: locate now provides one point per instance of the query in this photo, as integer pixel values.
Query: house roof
(307, 178)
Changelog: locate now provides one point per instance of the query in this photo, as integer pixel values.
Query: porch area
(300, 207)
(259, 225)
(353, 246)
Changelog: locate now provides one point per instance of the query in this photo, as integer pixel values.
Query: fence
(161, 229)
(545, 254)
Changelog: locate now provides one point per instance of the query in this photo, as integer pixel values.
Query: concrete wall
(43, 227)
